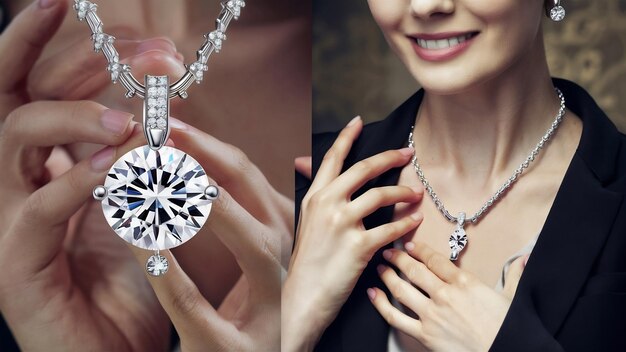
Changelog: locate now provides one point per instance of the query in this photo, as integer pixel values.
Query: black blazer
(572, 294)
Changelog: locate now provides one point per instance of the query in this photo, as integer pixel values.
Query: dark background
(355, 73)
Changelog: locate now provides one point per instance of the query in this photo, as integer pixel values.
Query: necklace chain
(86, 11)
(509, 182)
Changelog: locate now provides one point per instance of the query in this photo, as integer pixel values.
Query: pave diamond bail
(156, 109)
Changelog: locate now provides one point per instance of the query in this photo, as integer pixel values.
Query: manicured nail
(116, 121)
(177, 124)
(103, 159)
(354, 120)
(409, 246)
(371, 293)
(46, 4)
(156, 44)
(380, 269)
(408, 151)
(387, 254)
(417, 216)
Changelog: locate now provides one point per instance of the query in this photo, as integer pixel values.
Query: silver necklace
(156, 197)
(458, 239)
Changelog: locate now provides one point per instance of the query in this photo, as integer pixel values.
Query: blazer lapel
(578, 224)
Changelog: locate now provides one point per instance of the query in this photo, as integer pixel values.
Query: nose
(427, 9)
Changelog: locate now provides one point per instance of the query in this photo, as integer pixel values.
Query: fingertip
(354, 121)
(409, 246)
(371, 293)
(406, 152)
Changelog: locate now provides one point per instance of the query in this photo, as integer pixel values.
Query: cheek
(388, 13)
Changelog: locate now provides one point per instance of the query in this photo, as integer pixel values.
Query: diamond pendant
(458, 239)
(156, 197)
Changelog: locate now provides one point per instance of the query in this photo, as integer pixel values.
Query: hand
(251, 219)
(457, 313)
(332, 245)
(67, 282)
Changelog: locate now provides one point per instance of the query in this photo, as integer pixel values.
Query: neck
(484, 133)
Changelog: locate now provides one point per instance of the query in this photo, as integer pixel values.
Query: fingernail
(408, 151)
(46, 4)
(526, 259)
(156, 44)
(409, 246)
(417, 216)
(380, 269)
(387, 254)
(371, 293)
(116, 121)
(103, 159)
(354, 120)
(177, 124)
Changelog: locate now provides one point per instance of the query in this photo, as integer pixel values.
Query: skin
(222, 294)
(474, 127)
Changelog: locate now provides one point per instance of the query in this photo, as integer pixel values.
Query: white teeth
(442, 43)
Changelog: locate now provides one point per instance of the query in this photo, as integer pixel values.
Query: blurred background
(355, 73)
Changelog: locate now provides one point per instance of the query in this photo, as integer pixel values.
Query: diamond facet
(458, 240)
(557, 13)
(157, 265)
(156, 198)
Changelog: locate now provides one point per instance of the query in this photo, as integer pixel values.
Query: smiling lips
(441, 46)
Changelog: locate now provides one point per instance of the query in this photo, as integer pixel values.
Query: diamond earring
(556, 11)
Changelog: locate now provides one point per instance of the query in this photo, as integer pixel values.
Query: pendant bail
(156, 110)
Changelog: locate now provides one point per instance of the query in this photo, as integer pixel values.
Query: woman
(69, 283)
(552, 239)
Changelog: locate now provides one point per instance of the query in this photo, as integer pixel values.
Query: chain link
(86, 11)
(509, 182)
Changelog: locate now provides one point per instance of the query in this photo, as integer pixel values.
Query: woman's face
(452, 45)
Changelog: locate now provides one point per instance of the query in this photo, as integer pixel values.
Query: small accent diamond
(217, 37)
(99, 39)
(234, 6)
(83, 7)
(116, 69)
(557, 13)
(157, 265)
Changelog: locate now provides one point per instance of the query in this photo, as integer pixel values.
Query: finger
(384, 234)
(191, 314)
(47, 123)
(76, 72)
(40, 231)
(414, 270)
(403, 291)
(393, 315)
(357, 175)
(231, 168)
(24, 39)
(254, 245)
(335, 156)
(436, 262)
(376, 198)
(304, 165)
(513, 276)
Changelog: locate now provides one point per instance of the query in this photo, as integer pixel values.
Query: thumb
(513, 276)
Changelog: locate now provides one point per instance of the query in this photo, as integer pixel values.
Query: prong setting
(100, 192)
(211, 192)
